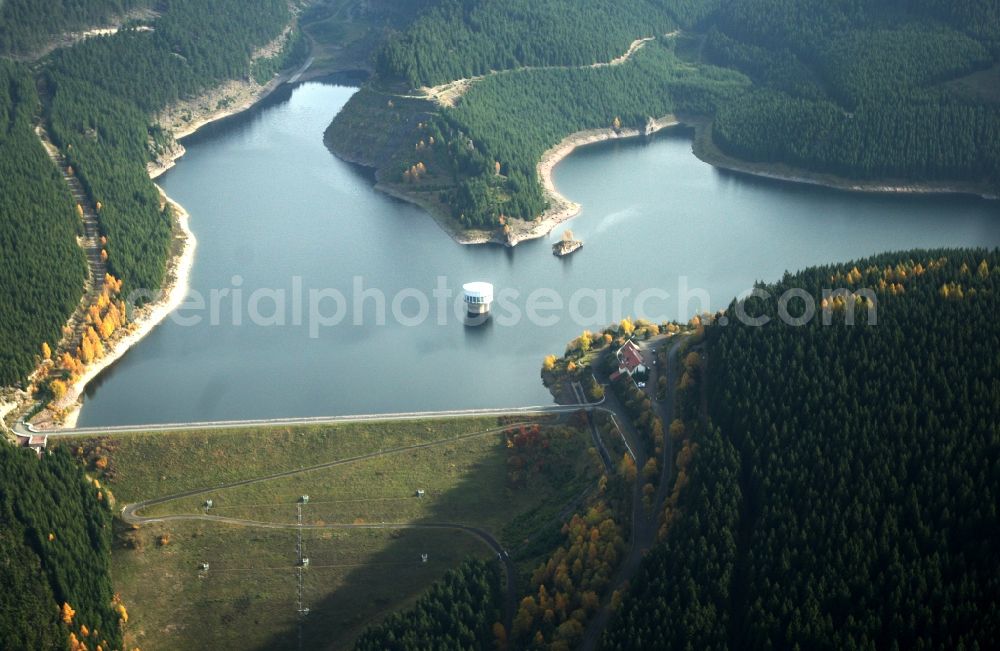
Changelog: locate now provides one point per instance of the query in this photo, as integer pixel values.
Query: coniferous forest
(55, 550)
(98, 100)
(836, 483)
(28, 24)
(843, 491)
(457, 612)
(42, 269)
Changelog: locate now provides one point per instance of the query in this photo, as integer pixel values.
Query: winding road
(448, 93)
(130, 512)
(644, 524)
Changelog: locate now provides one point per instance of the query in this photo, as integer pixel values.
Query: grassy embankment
(247, 599)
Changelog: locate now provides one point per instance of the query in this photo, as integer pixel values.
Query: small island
(566, 245)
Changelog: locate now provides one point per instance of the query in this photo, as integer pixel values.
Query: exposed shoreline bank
(562, 209)
(708, 152)
(181, 260)
(172, 294)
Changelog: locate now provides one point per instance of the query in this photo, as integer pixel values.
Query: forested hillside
(458, 612)
(29, 24)
(455, 39)
(55, 546)
(42, 269)
(105, 91)
(844, 494)
(512, 119)
(860, 86)
(854, 88)
(99, 100)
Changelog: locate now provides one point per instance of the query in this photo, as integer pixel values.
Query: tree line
(457, 613)
(105, 93)
(454, 39)
(856, 89)
(487, 148)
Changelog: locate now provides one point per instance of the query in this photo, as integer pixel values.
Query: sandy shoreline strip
(706, 151)
(561, 209)
(146, 318)
(179, 266)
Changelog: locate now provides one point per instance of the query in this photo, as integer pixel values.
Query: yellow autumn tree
(649, 470)
(500, 636)
(67, 613)
(549, 363)
(628, 468)
(58, 388)
(46, 351)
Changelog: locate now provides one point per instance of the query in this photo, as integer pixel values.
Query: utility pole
(301, 562)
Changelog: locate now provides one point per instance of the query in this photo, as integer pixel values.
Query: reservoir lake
(277, 215)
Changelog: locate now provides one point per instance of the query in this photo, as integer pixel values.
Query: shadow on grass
(345, 591)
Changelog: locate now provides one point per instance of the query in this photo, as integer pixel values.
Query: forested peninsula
(870, 95)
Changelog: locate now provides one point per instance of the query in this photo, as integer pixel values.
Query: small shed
(420, 492)
(304, 499)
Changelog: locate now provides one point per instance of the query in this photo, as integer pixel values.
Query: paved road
(581, 400)
(644, 525)
(22, 428)
(301, 71)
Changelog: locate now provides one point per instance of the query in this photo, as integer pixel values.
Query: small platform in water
(565, 247)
